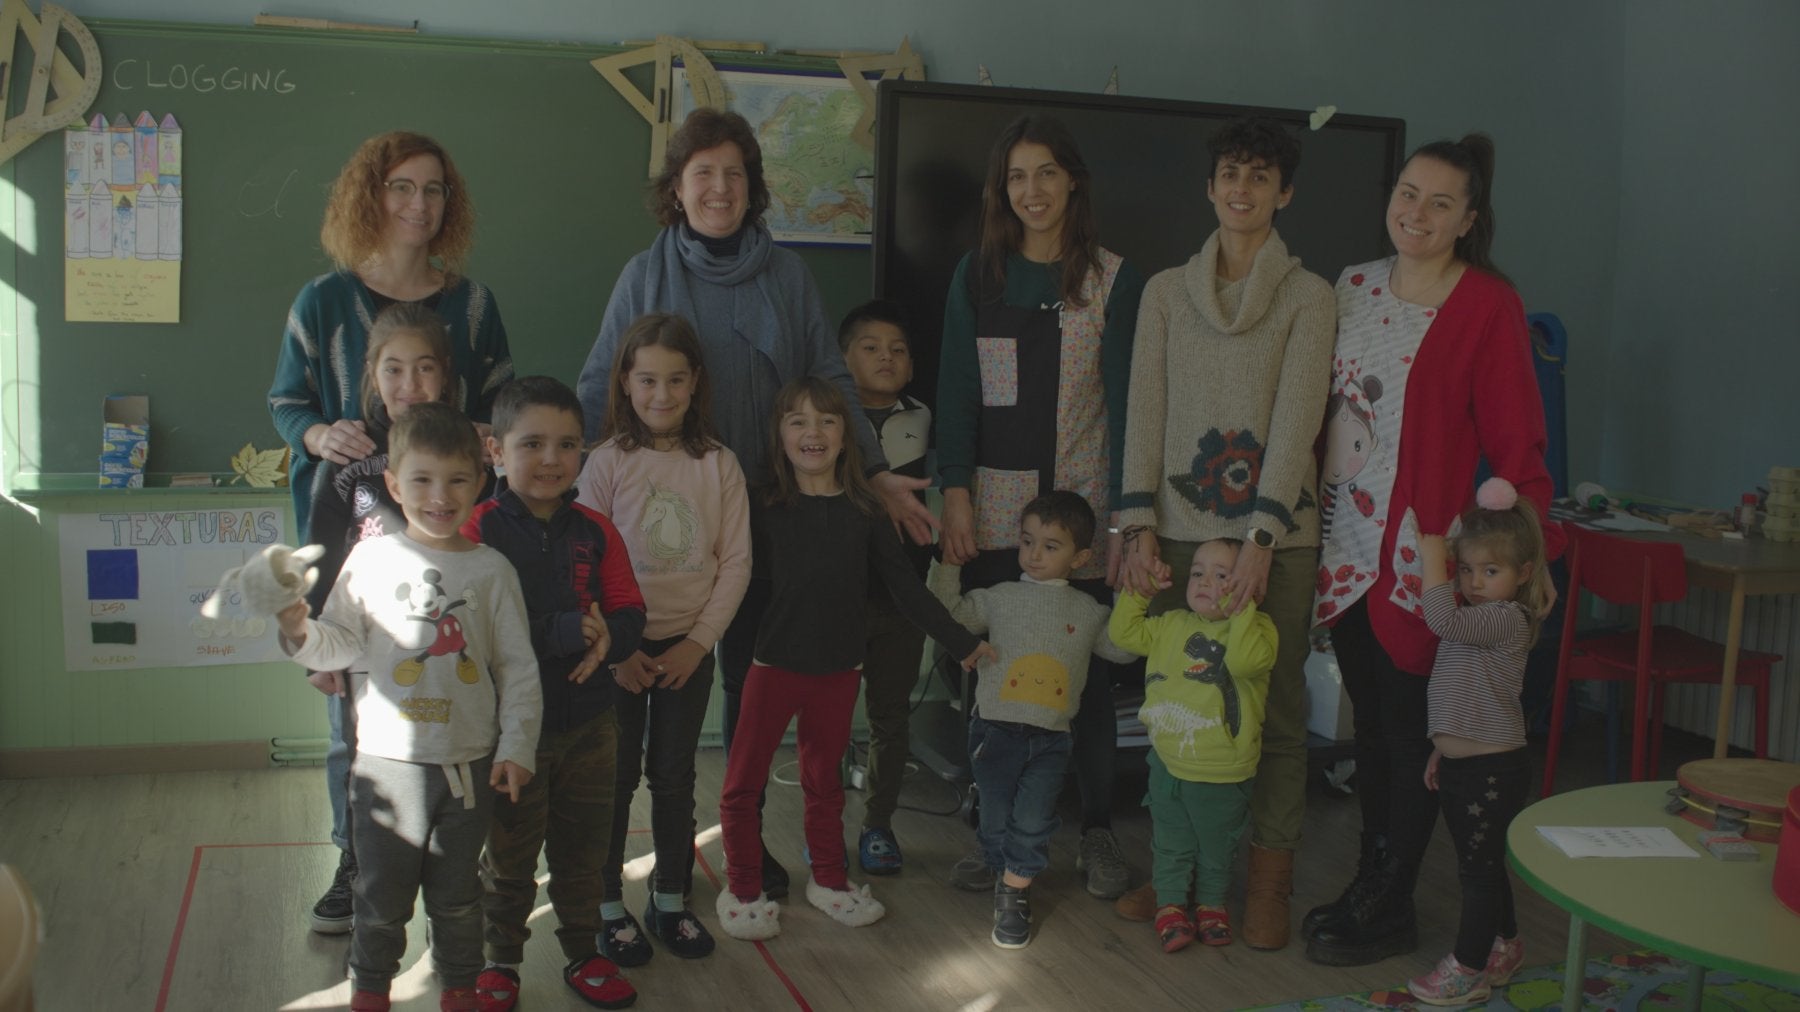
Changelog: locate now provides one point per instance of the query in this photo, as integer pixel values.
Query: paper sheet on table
(1617, 841)
(1617, 521)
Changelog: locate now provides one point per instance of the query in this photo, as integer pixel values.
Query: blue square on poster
(112, 574)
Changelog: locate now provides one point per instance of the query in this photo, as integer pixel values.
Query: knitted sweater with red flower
(1228, 387)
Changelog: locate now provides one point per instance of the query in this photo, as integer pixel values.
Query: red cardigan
(1471, 394)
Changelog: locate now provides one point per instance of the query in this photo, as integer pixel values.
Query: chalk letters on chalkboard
(130, 73)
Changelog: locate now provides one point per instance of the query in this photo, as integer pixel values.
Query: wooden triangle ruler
(51, 73)
(901, 63)
(657, 107)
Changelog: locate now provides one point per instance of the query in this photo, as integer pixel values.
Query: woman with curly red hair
(399, 225)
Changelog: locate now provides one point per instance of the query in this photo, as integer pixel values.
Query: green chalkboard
(554, 158)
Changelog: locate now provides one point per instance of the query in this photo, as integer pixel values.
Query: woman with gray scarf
(761, 323)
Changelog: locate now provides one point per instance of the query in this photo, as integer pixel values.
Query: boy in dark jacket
(585, 612)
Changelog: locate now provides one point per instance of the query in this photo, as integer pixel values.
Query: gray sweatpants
(412, 832)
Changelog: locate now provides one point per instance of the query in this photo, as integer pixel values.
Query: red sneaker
(458, 999)
(497, 989)
(369, 1001)
(598, 981)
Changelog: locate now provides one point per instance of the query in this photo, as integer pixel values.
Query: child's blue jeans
(1019, 771)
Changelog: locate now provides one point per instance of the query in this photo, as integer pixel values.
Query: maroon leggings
(772, 697)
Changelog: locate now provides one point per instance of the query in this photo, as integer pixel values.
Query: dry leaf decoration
(260, 469)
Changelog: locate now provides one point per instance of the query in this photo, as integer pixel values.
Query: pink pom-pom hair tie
(1496, 494)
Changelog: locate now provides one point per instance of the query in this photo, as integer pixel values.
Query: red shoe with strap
(1174, 927)
(1213, 925)
(599, 983)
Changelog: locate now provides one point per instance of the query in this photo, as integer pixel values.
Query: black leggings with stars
(1479, 795)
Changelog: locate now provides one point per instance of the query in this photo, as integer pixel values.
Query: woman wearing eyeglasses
(399, 224)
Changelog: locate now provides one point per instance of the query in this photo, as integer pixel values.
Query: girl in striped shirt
(1478, 763)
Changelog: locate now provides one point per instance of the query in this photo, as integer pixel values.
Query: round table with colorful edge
(1720, 915)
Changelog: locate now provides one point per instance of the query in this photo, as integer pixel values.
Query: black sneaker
(332, 914)
(679, 931)
(1012, 916)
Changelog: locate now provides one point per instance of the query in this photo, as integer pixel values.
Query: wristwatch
(1261, 538)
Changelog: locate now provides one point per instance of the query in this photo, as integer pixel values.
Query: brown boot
(1137, 905)
(1266, 898)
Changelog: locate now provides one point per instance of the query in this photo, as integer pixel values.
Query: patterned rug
(1631, 980)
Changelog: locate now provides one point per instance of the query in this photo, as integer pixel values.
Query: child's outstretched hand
(331, 683)
(984, 652)
(293, 621)
(509, 778)
(1431, 770)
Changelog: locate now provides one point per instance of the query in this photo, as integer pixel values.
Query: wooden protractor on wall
(901, 63)
(657, 108)
(52, 73)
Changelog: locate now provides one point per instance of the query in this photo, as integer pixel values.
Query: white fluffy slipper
(752, 921)
(851, 907)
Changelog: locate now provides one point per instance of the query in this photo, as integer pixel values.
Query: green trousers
(1194, 833)
(1278, 806)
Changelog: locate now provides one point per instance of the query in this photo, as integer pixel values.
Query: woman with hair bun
(1440, 333)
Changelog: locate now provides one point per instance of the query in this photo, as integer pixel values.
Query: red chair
(1626, 571)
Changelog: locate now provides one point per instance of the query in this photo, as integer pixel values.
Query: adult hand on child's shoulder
(1249, 579)
(341, 442)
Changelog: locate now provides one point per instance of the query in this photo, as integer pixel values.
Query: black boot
(1374, 851)
(774, 876)
(1379, 926)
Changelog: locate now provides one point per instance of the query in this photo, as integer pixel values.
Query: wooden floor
(191, 892)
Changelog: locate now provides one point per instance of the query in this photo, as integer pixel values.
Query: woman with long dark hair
(1031, 398)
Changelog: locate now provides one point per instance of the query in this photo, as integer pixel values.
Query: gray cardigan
(756, 335)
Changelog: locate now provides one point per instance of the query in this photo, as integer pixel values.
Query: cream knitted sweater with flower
(1228, 387)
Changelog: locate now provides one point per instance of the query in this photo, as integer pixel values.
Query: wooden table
(1714, 914)
(1739, 568)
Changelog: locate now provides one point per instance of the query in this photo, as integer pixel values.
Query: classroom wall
(1699, 387)
(1596, 195)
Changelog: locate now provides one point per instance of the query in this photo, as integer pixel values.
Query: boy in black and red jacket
(586, 613)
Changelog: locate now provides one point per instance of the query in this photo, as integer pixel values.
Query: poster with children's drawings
(133, 583)
(122, 220)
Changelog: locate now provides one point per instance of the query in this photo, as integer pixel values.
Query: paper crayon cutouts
(168, 229)
(147, 153)
(168, 159)
(75, 223)
(149, 217)
(99, 168)
(124, 159)
(124, 229)
(75, 157)
(100, 221)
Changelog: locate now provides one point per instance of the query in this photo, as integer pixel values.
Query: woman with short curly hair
(399, 225)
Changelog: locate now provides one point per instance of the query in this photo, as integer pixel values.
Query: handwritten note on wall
(122, 220)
